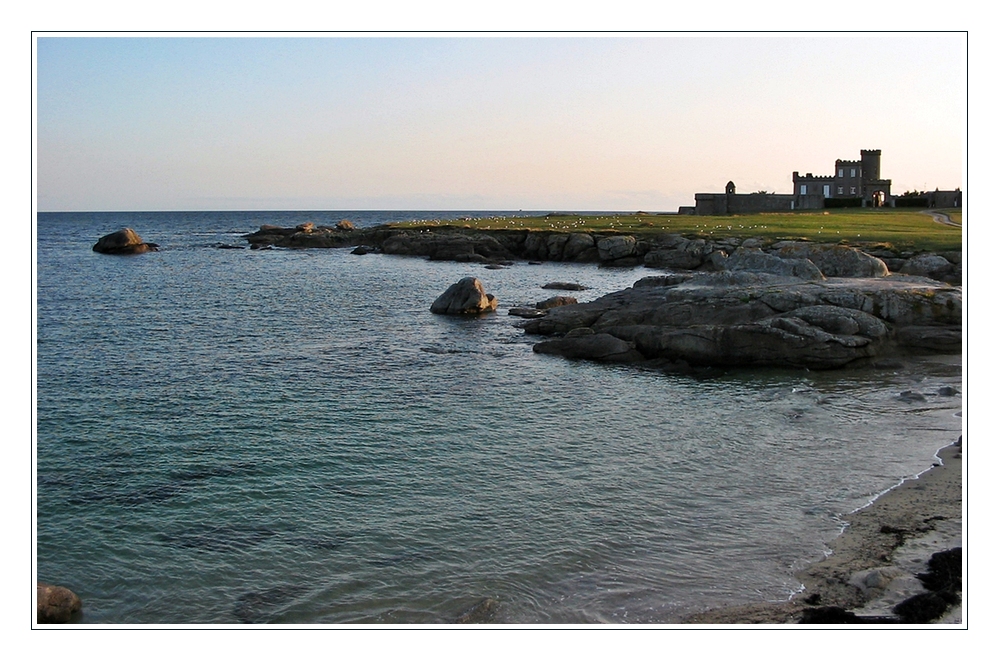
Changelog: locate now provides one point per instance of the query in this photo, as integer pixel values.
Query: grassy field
(904, 229)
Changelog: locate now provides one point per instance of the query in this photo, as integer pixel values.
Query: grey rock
(577, 245)
(467, 296)
(755, 260)
(597, 346)
(928, 265)
(616, 247)
(835, 261)
(735, 318)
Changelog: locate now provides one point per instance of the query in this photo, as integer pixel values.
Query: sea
(290, 437)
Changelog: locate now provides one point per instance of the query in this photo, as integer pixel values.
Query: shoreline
(873, 563)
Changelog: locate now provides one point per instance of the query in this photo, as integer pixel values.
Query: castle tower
(870, 163)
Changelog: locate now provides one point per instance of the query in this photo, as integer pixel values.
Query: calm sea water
(230, 436)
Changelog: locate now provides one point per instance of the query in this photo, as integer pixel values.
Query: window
(839, 190)
(853, 172)
(841, 172)
(853, 190)
(825, 190)
(804, 189)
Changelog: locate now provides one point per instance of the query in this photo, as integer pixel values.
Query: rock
(596, 346)
(56, 604)
(835, 261)
(739, 318)
(527, 313)
(226, 246)
(922, 608)
(578, 247)
(945, 573)
(482, 612)
(927, 265)
(555, 301)
(683, 254)
(755, 260)
(872, 580)
(911, 396)
(565, 286)
(947, 391)
(345, 225)
(467, 296)
(123, 242)
(615, 247)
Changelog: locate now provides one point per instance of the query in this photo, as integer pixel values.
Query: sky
(488, 122)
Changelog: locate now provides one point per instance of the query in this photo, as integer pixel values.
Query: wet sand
(874, 563)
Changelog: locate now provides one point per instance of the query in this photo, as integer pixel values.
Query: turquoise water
(236, 436)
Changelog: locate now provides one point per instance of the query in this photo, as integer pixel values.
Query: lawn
(905, 229)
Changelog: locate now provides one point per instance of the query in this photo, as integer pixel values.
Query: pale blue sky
(484, 123)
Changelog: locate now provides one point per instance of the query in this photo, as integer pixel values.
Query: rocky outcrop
(657, 250)
(467, 296)
(755, 260)
(123, 242)
(56, 604)
(834, 261)
(758, 319)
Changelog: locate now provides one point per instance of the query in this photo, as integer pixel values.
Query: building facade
(853, 183)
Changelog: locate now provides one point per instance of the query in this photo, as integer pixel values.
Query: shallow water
(283, 436)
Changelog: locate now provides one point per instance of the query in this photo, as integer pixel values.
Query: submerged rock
(565, 286)
(467, 296)
(56, 604)
(123, 242)
(482, 612)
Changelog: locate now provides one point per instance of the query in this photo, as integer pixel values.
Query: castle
(852, 184)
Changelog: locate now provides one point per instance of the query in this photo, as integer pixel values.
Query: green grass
(904, 229)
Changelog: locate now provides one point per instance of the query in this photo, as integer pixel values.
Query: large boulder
(56, 604)
(467, 296)
(757, 261)
(616, 247)
(123, 242)
(579, 247)
(676, 252)
(835, 261)
(928, 265)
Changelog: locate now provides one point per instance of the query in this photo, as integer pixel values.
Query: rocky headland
(659, 250)
(729, 302)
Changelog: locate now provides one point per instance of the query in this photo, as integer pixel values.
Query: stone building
(853, 183)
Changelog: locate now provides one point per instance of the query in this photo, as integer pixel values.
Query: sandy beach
(875, 562)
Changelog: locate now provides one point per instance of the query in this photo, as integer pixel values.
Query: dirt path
(941, 217)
